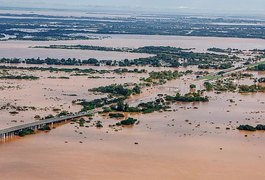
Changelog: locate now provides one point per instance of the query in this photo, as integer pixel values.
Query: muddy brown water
(20, 49)
(193, 141)
(182, 144)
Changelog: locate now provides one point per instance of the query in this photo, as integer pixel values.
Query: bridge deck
(42, 122)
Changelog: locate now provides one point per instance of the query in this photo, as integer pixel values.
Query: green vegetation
(118, 90)
(251, 88)
(76, 71)
(216, 66)
(224, 85)
(45, 128)
(162, 77)
(116, 115)
(124, 70)
(99, 124)
(49, 116)
(219, 50)
(52, 69)
(190, 97)
(259, 127)
(158, 104)
(165, 56)
(120, 106)
(148, 107)
(63, 113)
(227, 51)
(61, 77)
(192, 86)
(241, 75)
(84, 47)
(25, 132)
(161, 56)
(175, 57)
(127, 122)
(152, 106)
(260, 67)
(228, 85)
(261, 80)
(208, 86)
(97, 103)
(19, 77)
(146, 49)
(82, 122)
(72, 95)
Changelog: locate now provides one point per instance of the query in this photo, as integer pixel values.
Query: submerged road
(226, 72)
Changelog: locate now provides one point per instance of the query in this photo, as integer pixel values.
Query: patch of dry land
(150, 122)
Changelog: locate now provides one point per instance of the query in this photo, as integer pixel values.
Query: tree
(137, 90)
(193, 86)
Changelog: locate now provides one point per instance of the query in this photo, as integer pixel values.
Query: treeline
(51, 61)
(165, 56)
(228, 50)
(19, 77)
(260, 67)
(118, 90)
(229, 86)
(78, 71)
(259, 127)
(216, 66)
(85, 47)
(160, 104)
(163, 76)
(190, 97)
(178, 58)
(251, 88)
(145, 49)
(52, 69)
(97, 103)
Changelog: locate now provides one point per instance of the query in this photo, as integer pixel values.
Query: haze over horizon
(243, 7)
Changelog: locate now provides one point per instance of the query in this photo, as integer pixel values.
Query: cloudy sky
(207, 6)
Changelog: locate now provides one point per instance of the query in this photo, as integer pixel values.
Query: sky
(189, 6)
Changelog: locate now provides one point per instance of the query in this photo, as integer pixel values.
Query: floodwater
(20, 49)
(168, 146)
(199, 43)
(48, 93)
(193, 141)
(182, 144)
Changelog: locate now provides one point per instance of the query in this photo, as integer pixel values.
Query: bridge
(12, 131)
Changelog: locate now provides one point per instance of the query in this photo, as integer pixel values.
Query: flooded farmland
(190, 140)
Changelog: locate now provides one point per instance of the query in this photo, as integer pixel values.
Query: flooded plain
(168, 147)
(21, 49)
(191, 141)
